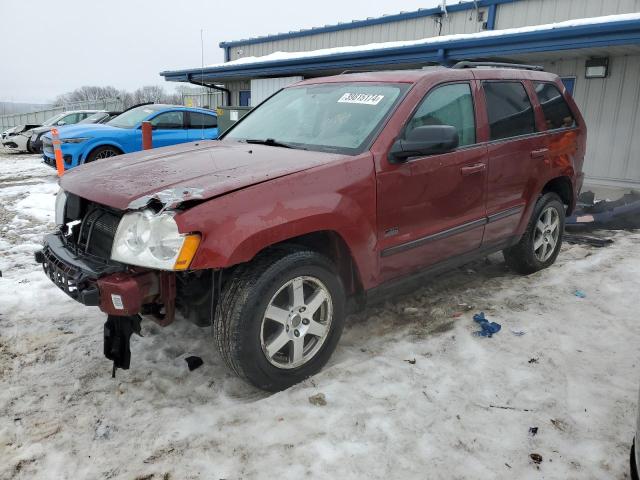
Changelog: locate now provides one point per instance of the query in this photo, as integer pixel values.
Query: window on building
(245, 98)
(509, 109)
(448, 105)
(569, 84)
(557, 113)
(168, 121)
(201, 120)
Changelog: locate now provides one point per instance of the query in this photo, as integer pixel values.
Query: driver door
(432, 208)
(168, 129)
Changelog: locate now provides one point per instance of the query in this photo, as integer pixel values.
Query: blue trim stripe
(623, 32)
(467, 5)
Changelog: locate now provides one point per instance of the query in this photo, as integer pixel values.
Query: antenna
(202, 79)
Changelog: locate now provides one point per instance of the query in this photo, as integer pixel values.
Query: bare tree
(147, 93)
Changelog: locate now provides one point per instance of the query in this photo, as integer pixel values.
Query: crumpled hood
(192, 171)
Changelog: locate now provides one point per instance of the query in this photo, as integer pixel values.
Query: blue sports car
(171, 124)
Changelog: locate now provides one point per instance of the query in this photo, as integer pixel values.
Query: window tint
(70, 119)
(556, 111)
(168, 120)
(201, 120)
(509, 109)
(448, 105)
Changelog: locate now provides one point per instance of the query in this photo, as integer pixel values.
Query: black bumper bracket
(117, 337)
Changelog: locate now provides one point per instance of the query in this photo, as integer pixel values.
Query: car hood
(180, 173)
(83, 130)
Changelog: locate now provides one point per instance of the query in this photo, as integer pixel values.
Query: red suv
(330, 193)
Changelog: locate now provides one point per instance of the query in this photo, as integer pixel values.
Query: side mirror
(423, 141)
(61, 123)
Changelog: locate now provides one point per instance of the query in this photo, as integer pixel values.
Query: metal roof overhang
(623, 32)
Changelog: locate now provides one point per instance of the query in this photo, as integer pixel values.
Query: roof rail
(467, 64)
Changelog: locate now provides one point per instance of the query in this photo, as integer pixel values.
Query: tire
(99, 153)
(246, 337)
(538, 248)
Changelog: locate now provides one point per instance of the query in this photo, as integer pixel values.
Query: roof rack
(467, 64)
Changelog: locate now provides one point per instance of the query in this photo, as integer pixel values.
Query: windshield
(335, 117)
(95, 118)
(131, 118)
(53, 120)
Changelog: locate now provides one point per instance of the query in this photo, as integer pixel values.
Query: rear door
(202, 126)
(432, 208)
(169, 128)
(516, 152)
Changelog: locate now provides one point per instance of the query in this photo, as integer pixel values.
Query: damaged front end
(125, 263)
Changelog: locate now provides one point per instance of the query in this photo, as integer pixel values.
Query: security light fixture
(597, 67)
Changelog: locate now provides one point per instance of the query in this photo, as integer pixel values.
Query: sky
(49, 48)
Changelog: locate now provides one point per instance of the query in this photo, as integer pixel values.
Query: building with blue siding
(580, 40)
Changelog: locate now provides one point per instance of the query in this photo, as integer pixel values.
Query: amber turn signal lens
(187, 252)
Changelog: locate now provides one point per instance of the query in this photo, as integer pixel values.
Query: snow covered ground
(410, 392)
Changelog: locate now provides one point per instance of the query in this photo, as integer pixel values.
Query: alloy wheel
(296, 322)
(546, 234)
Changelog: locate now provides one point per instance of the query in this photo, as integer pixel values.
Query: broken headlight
(152, 240)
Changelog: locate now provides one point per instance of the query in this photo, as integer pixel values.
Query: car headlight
(152, 240)
(61, 202)
(74, 140)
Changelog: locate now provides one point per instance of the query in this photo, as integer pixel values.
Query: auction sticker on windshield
(363, 98)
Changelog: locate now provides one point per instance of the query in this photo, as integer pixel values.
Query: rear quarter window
(557, 113)
(509, 109)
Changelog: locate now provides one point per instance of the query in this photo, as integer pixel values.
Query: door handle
(473, 169)
(539, 153)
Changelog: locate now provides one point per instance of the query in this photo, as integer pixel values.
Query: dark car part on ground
(620, 214)
(573, 239)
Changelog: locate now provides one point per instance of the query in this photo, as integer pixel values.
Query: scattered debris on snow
(462, 407)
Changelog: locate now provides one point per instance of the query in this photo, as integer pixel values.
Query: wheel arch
(564, 188)
(330, 244)
(100, 145)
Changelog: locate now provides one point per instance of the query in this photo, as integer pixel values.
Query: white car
(17, 138)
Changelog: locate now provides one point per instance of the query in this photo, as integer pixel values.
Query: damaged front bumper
(115, 288)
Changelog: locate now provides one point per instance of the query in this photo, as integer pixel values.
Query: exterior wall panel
(411, 29)
(263, 88)
(611, 109)
(538, 12)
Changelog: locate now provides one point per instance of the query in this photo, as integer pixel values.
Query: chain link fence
(38, 117)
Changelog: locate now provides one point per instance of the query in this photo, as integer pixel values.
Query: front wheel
(280, 317)
(540, 244)
(99, 153)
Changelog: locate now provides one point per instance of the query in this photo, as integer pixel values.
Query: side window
(509, 109)
(557, 113)
(69, 119)
(201, 120)
(168, 120)
(448, 105)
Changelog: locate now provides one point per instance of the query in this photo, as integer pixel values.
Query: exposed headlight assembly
(61, 202)
(74, 140)
(152, 240)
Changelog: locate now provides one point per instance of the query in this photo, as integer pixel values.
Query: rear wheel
(280, 317)
(540, 244)
(102, 152)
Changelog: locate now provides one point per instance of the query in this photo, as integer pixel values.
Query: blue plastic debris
(488, 328)
(580, 294)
